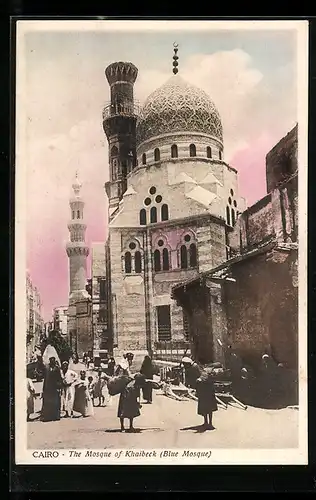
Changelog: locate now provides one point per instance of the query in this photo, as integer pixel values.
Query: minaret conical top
(175, 59)
(76, 185)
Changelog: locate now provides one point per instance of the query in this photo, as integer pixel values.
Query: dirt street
(169, 424)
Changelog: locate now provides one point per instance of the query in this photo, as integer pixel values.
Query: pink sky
(66, 91)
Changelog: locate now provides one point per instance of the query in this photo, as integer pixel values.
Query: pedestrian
(147, 369)
(111, 367)
(91, 386)
(51, 392)
(122, 367)
(68, 390)
(192, 372)
(207, 403)
(129, 405)
(83, 402)
(30, 398)
(98, 388)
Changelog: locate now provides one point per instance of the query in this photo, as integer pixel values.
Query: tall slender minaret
(76, 248)
(119, 124)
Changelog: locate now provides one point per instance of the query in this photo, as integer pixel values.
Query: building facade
(250, 302)
(79, 310)
(172, 197)
(99, 296)
(60, 320)
(34, 318)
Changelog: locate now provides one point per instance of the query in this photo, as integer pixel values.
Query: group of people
(64, 390)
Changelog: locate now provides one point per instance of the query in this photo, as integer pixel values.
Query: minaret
(76, 248)
(119, 124)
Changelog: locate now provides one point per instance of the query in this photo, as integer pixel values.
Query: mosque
(188, 266)
(172, 201)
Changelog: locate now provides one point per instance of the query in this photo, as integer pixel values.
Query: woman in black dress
(207, 403)
(147, 369)
(52, 392)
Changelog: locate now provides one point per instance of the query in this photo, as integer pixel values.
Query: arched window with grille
(157, 263)
(193, 255)
(233, 217)
(138, 262)
(165, 259)
(144, 159)
(164, 212)
(209, 152)
(228, 215)
(153, 214)
(174, 151)
(183, 257)
(157, 154)
(142, 217)
(128, 262)
(192, 150)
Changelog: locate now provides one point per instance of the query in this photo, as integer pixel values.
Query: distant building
(79, 310)
(34, 319)
(99, 294)
(60, 319)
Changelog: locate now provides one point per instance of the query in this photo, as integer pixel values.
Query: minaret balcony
(121, 109)
(77, 224)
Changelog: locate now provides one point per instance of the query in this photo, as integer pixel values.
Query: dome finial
(76, 185)
(175, 58)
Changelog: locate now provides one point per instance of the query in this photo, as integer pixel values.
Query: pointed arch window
(138, 262)
(78, 214)
(220, 155)
(144, 159)
(183, 257)
(174, 151)
(193, 255)
(142, 217)
(233, 217)
(228, 215)
(165, 259)
(157, 263)
(128, 262)
(209, 152)
(192, 150)
(73, 214)
(157, 154)
(153, 215)
(164, 212)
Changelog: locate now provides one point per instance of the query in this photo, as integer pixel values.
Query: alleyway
(169, 424)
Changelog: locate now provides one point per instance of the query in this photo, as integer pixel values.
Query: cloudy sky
(250, 75)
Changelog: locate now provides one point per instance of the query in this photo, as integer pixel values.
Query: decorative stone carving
(175, 107)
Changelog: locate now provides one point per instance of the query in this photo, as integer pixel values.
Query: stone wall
(262, 308)
(281, 161)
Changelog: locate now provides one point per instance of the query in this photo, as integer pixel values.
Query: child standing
(207, 403)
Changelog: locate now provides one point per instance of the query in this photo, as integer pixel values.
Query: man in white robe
(68, 392)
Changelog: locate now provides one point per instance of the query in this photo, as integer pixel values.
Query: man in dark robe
(192, 372)
(51, 392)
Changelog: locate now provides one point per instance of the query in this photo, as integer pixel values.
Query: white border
(219, 456)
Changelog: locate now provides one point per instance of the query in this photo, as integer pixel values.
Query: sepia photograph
(161, 242)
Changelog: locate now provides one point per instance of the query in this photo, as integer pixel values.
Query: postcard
(160, 242)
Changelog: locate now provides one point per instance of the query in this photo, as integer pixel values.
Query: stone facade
(250, 302)
(99, 295)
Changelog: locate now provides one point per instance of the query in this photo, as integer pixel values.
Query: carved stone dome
(178, 106)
